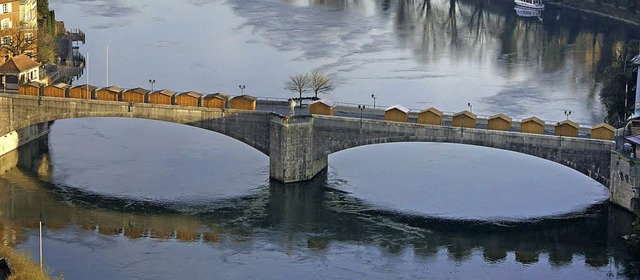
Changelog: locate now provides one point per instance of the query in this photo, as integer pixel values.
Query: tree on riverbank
(17, 41)
(616, 94)
(320, 82)
(317, 82)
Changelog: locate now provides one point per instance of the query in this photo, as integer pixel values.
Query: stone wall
(625, 179)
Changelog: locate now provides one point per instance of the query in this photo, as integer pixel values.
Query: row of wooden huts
(466, 119)
(140, 95)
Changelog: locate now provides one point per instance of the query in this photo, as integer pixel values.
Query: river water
(139, 199)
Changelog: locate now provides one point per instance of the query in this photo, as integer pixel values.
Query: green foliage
(613, 93)
(47, 46)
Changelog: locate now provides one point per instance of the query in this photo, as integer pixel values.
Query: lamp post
(361, 107)
(374, 101)
(470, 107)
(152, 81)
(242, 87)
(567, 113)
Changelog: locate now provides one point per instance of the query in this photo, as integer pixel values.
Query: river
(139, 199)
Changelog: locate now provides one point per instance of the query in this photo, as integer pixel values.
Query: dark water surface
(418, 53)
(136, 199)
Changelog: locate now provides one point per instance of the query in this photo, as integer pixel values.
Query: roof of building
(59, 85)
(217, 95)
(501, 116)
(633, 139)
(114, 89)
(399, 108)
(32, 84)
(18, 64)
(636, 59)
(466, 113)
(605, 126)
(191, 93)
(568, 122)
(324, 102)
(164, 92)
(533, 119)
(138, 90)
(91, 88)
(245, 97)
(432, 110)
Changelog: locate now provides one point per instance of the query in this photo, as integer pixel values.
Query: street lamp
(242, 87)
(470, 107)
(567, 113)
(152, 81)
(374, 101)
(361, 107)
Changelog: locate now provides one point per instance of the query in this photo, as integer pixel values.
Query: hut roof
(466, 113)
(633, 139)
(246, 97)
(325, 102)
(217, 95)
(138, 90)
(605, 126)
(32, 84)
(112, 89)
(192, 94)
(636, 60)
(164, 92)
(501, 116)
(91, 88)
(533, 119)
(18, 64)
(432, 110)
(59, 85)
(569, 122)
(398, 107)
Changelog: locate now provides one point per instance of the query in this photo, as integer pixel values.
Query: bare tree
(320, 82)
(16, 41)
(298, 83)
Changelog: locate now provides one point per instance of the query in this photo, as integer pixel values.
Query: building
(56, 90)
(499, 122)
(430, 116)
(19, 69)
(243, 102)
(111, 93)
(566, 128)
(532, 125)
(464, 119)
(189, 98)
(18, 28)
(31, 88)
(215, 100)
(136, 95)
(603, 131)
(163, 96)
(396, 113)
(82, 92)
(322, 107)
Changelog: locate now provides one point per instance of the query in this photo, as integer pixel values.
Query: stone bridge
(298, 147)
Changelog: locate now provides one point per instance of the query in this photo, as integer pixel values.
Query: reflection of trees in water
(307, 213)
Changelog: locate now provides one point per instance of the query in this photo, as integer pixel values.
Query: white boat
(534, 4)
(528, 12)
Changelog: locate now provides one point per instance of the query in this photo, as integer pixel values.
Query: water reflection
(311, 217)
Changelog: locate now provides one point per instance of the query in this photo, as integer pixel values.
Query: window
(5, 40)
(5, 8)
(28, 37)
(5, 23)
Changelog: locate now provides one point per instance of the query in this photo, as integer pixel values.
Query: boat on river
(533, 4)
(528, 12)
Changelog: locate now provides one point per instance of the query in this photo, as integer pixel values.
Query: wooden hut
(430, 116)
(56, 90)
(322, 107)
(189, 98)
(566, 128)
(111, 93)
(499, 122)
(31, 88)
(396, 113)
(82, 92)
(137, 95)
(532, 125)
(464, 119)
(163, 96)
(603, 131)
(243, 102)
(215, 100)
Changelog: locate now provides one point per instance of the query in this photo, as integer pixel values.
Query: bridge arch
(249, 127)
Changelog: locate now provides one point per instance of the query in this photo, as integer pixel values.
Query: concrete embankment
(15, 139)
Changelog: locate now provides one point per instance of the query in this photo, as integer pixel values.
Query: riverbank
(606, 10)
(22, 266)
